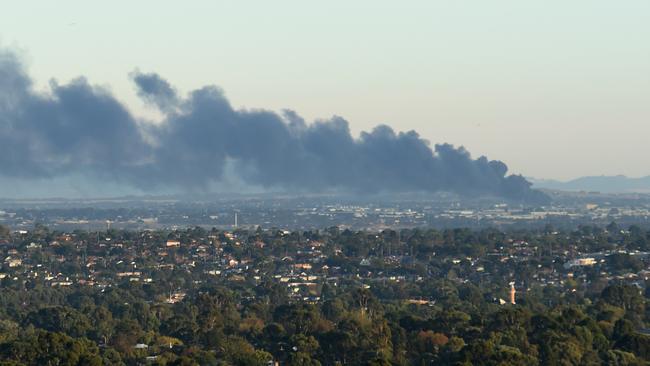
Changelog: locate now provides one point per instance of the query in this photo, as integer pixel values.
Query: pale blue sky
(556, 89)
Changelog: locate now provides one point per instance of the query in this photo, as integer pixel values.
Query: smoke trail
(82, 129)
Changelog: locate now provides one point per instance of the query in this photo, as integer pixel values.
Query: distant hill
(603, 183)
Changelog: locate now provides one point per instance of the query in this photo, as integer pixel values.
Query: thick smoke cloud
(81, 129)
(77, 127)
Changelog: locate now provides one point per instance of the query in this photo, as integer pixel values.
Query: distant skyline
(554, 89)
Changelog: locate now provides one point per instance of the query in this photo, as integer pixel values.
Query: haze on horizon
(554, 89)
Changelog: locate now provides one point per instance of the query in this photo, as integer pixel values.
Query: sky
(555, 89)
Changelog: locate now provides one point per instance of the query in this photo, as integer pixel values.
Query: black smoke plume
(82, 129)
